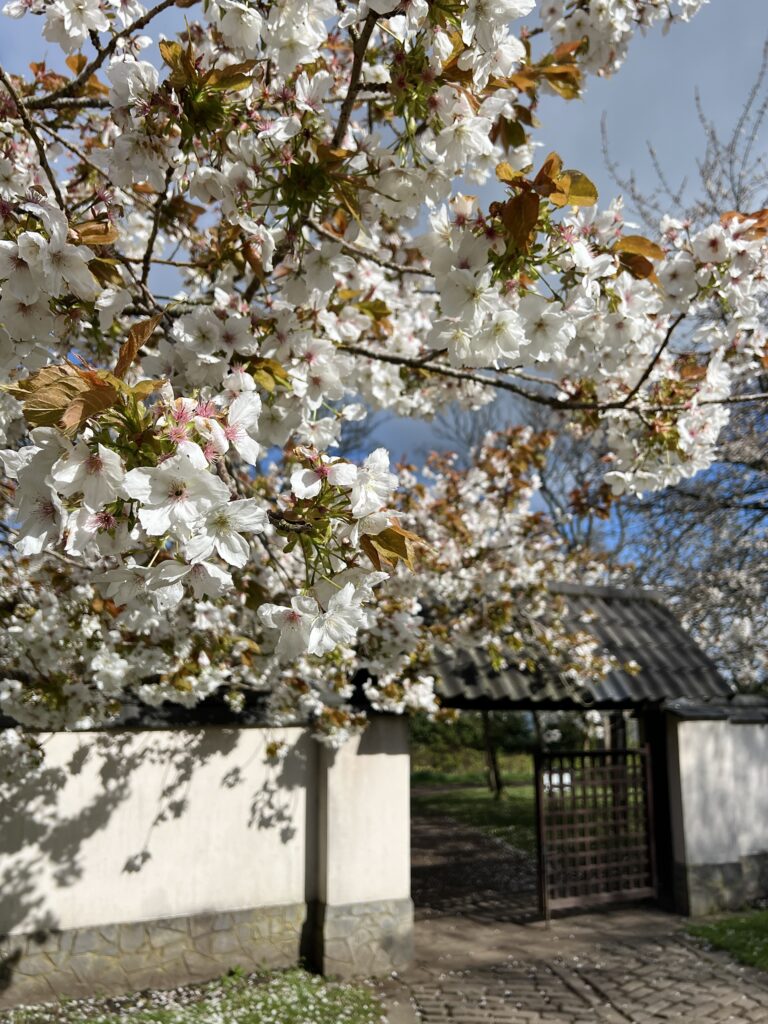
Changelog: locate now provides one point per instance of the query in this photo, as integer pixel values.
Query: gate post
(541, 852)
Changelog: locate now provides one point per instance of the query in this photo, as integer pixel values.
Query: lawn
(744, 936)
(281, 997)
(513, 818)
(430, 765)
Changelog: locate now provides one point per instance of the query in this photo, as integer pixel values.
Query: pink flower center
(178, 434)
(104, 521)
(205, 409)
(178, 491)
(46, 509)
(181, 414)
(94, 465)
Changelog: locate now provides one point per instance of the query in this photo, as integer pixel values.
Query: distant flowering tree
(176, 520)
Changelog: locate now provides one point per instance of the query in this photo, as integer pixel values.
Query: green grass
(281, 997)
(464, 766)
(744, 936)
(513, 818)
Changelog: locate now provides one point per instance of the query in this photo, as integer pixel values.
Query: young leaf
(567, 49)
(99, 397)
(368, 547)
(519, 215)
(170, 52)
(76, 62)
(640, 246)
(138, 335)
(63, 396)
(235, 76)
(395, 545)
(637, 265)
(269, 374)
(759, 227)
(551, 168)
(105, 271)
(95, 232)
(580, 190)
(505, 172)
(145, 388)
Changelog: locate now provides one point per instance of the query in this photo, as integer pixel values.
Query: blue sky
(650, 99)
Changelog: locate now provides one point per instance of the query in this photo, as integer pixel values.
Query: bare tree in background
(732, 173)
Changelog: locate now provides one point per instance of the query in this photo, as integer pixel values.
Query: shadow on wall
(118, 791)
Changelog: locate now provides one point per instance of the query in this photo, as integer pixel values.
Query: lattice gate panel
(595, 832)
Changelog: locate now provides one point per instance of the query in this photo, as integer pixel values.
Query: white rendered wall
(136, 826)
(723, 790)
(365, 818)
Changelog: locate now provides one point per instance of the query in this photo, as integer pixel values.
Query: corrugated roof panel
(633, 625)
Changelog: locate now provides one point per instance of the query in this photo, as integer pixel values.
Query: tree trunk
(495, 783)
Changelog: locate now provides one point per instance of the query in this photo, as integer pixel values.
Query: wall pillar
(364, 913)
(718, 776)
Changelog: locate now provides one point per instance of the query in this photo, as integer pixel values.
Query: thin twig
(183, 264)
(146, 262)
(39, 144)
(475, 378)
(650, 367)
(358, 250)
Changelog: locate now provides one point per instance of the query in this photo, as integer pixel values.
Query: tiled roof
(633, 625)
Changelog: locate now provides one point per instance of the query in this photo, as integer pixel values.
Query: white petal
(155, 520)
(233, 548)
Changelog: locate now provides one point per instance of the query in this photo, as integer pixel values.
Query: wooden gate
(595, 828)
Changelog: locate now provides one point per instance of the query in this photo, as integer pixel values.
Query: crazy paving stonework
(360, 939)
(158, 954)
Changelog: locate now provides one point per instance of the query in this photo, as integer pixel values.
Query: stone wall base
(702, 889)
(119, 958)
(363, 939)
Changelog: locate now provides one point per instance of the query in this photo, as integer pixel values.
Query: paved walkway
(480, 956)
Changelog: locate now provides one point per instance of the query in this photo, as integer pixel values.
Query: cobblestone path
(482, 958)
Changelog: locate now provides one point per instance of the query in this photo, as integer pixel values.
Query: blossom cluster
(608, 26)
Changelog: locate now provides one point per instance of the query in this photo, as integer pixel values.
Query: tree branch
(72, 103)
(456, 374)
(360, 47)
(502, 384)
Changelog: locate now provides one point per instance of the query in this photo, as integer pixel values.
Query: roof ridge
(608, 590)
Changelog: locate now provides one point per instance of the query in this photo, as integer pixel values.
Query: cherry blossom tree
(176, 519)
